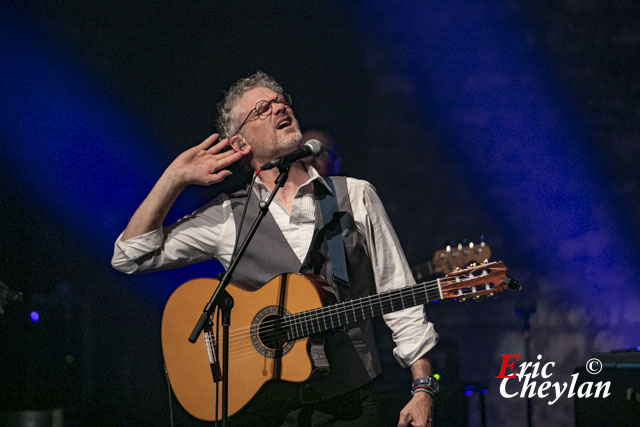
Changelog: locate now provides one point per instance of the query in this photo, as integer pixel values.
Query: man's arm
(419, 410)
(146, 246)
(413, 334)
(203, 164)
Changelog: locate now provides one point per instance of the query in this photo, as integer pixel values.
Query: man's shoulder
(358, 191)
(356, 185)
(221, 201)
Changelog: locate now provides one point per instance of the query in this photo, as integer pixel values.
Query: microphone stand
(224, 301)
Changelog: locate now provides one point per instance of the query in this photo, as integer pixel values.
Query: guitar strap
(335, 243)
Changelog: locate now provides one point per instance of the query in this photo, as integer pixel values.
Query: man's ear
(238, 144)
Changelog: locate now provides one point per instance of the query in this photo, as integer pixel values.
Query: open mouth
(283, 123)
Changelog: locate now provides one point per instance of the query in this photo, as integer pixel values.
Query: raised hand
(204, 164)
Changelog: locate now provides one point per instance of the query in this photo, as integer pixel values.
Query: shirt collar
(313, 176)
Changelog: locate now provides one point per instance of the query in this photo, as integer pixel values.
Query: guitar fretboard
(318, 320)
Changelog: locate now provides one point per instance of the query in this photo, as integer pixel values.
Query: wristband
(420, 390)
(430, 383)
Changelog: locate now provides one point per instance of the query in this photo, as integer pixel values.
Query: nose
(277, 107)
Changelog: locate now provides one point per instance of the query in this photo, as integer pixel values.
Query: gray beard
(278, 146)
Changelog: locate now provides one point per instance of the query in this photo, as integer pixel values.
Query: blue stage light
(506, 121)
(84, 160)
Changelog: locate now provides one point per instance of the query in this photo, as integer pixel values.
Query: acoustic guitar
(270, 327)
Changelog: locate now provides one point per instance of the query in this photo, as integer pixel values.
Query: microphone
(312, 148)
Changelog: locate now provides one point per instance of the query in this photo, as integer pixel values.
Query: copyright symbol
(594, 366)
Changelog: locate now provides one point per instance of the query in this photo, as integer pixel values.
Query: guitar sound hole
(271, 333)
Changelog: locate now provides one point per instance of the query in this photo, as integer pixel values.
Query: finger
(207, 142)
(226, 154)
(403, 421)
(219, 146)
(229, 160)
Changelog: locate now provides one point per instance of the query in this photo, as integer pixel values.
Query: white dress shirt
(210, 232)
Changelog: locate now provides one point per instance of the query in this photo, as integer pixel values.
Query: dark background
(517, 121)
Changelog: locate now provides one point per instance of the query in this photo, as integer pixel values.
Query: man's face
(269, 135)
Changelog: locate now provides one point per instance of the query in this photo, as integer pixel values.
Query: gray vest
(352, 355)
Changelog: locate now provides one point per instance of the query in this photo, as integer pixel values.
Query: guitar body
(254, 357)
(269, 328)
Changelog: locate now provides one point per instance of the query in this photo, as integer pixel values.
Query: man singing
(256, 123)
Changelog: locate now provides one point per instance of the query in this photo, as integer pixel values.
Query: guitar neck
(311, 322)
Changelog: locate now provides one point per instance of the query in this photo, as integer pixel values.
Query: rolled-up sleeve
(412, 333)
(203, 235)
(126, 254)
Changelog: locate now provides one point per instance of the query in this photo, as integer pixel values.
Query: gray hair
(226, 107)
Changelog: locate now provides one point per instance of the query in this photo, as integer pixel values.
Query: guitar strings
(303, 321)
(299, 321)
(386, 300)
(333, 309)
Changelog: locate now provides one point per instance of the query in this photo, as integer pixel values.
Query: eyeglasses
(263, 107)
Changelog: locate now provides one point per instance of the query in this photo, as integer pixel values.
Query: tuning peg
(449, 245)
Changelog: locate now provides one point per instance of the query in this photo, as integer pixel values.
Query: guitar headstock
(477, 280)
(459, 256)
